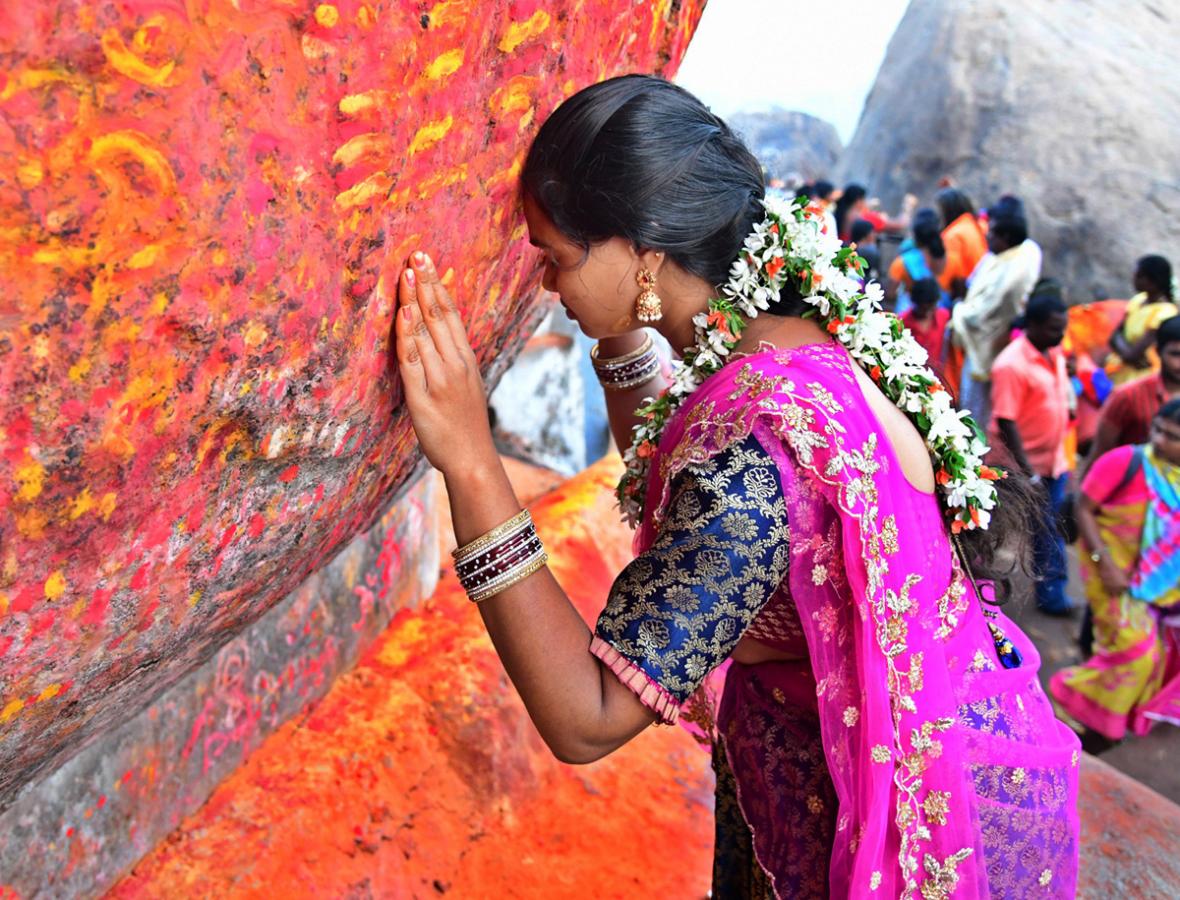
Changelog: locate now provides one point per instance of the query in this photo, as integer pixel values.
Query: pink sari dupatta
(951, 775)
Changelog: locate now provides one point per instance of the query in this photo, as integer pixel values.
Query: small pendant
(1010, 657)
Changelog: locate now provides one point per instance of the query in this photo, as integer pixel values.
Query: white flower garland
(791, 244)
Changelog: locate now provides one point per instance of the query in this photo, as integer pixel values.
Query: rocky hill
(790, 143)
(1073, 106)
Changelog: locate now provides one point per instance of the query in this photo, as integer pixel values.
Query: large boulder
(790, 143)
(1073, 106)
(197, 205)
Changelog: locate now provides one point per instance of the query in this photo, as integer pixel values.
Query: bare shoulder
(783, 332)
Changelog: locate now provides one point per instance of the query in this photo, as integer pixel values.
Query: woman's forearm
(621, 405)
(1119, 343)
(581, 710)
(1088, 525)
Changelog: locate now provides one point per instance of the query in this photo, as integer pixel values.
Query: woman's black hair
(1170, 411)
(1158, 271)
(927, 231)
(640, 158)
(851, 195)
(952, 203)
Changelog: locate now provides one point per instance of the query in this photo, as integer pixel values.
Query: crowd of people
(1091, 417)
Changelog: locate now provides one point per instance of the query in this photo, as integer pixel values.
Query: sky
(815, 56)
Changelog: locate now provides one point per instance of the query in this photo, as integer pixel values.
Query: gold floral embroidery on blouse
(678, 610)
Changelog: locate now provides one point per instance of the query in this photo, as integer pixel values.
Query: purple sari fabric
(936, 772)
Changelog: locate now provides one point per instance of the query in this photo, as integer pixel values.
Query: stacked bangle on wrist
(499, 559)
(629, 371)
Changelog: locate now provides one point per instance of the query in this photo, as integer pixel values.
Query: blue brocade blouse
(679, 609)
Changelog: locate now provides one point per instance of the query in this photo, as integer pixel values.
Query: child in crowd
(927, 319)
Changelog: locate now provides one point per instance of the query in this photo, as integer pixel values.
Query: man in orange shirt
(1030, 419)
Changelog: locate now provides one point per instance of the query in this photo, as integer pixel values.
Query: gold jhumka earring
(647, 307)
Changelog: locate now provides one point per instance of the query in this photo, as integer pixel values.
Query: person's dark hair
(640, 158)
(952, 203)
(925, 292)
(860, 230)
(927, 231)
(1170, 411)
(1158, 271)
(822, 190)
(1012, 229)
(804, 190)
(1006, 547)
(1007, 205)
(1168, 332)
(851, 195)
(1006, 218)
(1045, 301)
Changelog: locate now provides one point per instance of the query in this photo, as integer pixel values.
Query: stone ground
(1150, 759)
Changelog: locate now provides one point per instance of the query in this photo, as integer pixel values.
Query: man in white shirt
(997, 293)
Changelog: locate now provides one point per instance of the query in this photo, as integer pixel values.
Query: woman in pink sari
(881, 730)
(1129, 517)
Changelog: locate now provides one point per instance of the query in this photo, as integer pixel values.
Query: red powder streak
(97, 610)
(42, 624)
(257, 525)
(288, 474)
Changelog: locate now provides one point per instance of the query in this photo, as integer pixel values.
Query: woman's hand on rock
(444, 391)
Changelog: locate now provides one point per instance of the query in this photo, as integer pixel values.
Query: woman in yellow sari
(1129, 518)
(1132, 343)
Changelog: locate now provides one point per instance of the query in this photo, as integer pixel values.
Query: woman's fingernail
(407, 313)
(419, 258)
(410, 277)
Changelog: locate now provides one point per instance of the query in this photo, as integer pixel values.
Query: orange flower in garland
(834, 325)
(718, 320)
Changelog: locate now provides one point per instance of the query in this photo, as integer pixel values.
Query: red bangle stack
(499, 559)
(629, 371)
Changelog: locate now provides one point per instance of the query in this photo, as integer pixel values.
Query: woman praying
(812, 512)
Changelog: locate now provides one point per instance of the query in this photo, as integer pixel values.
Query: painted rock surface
(420, 774)
(197, 201)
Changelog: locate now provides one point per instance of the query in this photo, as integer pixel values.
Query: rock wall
(790, 143)
(1071, 105)
(197, 203)
(74, 831)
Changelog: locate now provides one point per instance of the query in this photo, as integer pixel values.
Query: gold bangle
(486, 540)
(611, 362)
